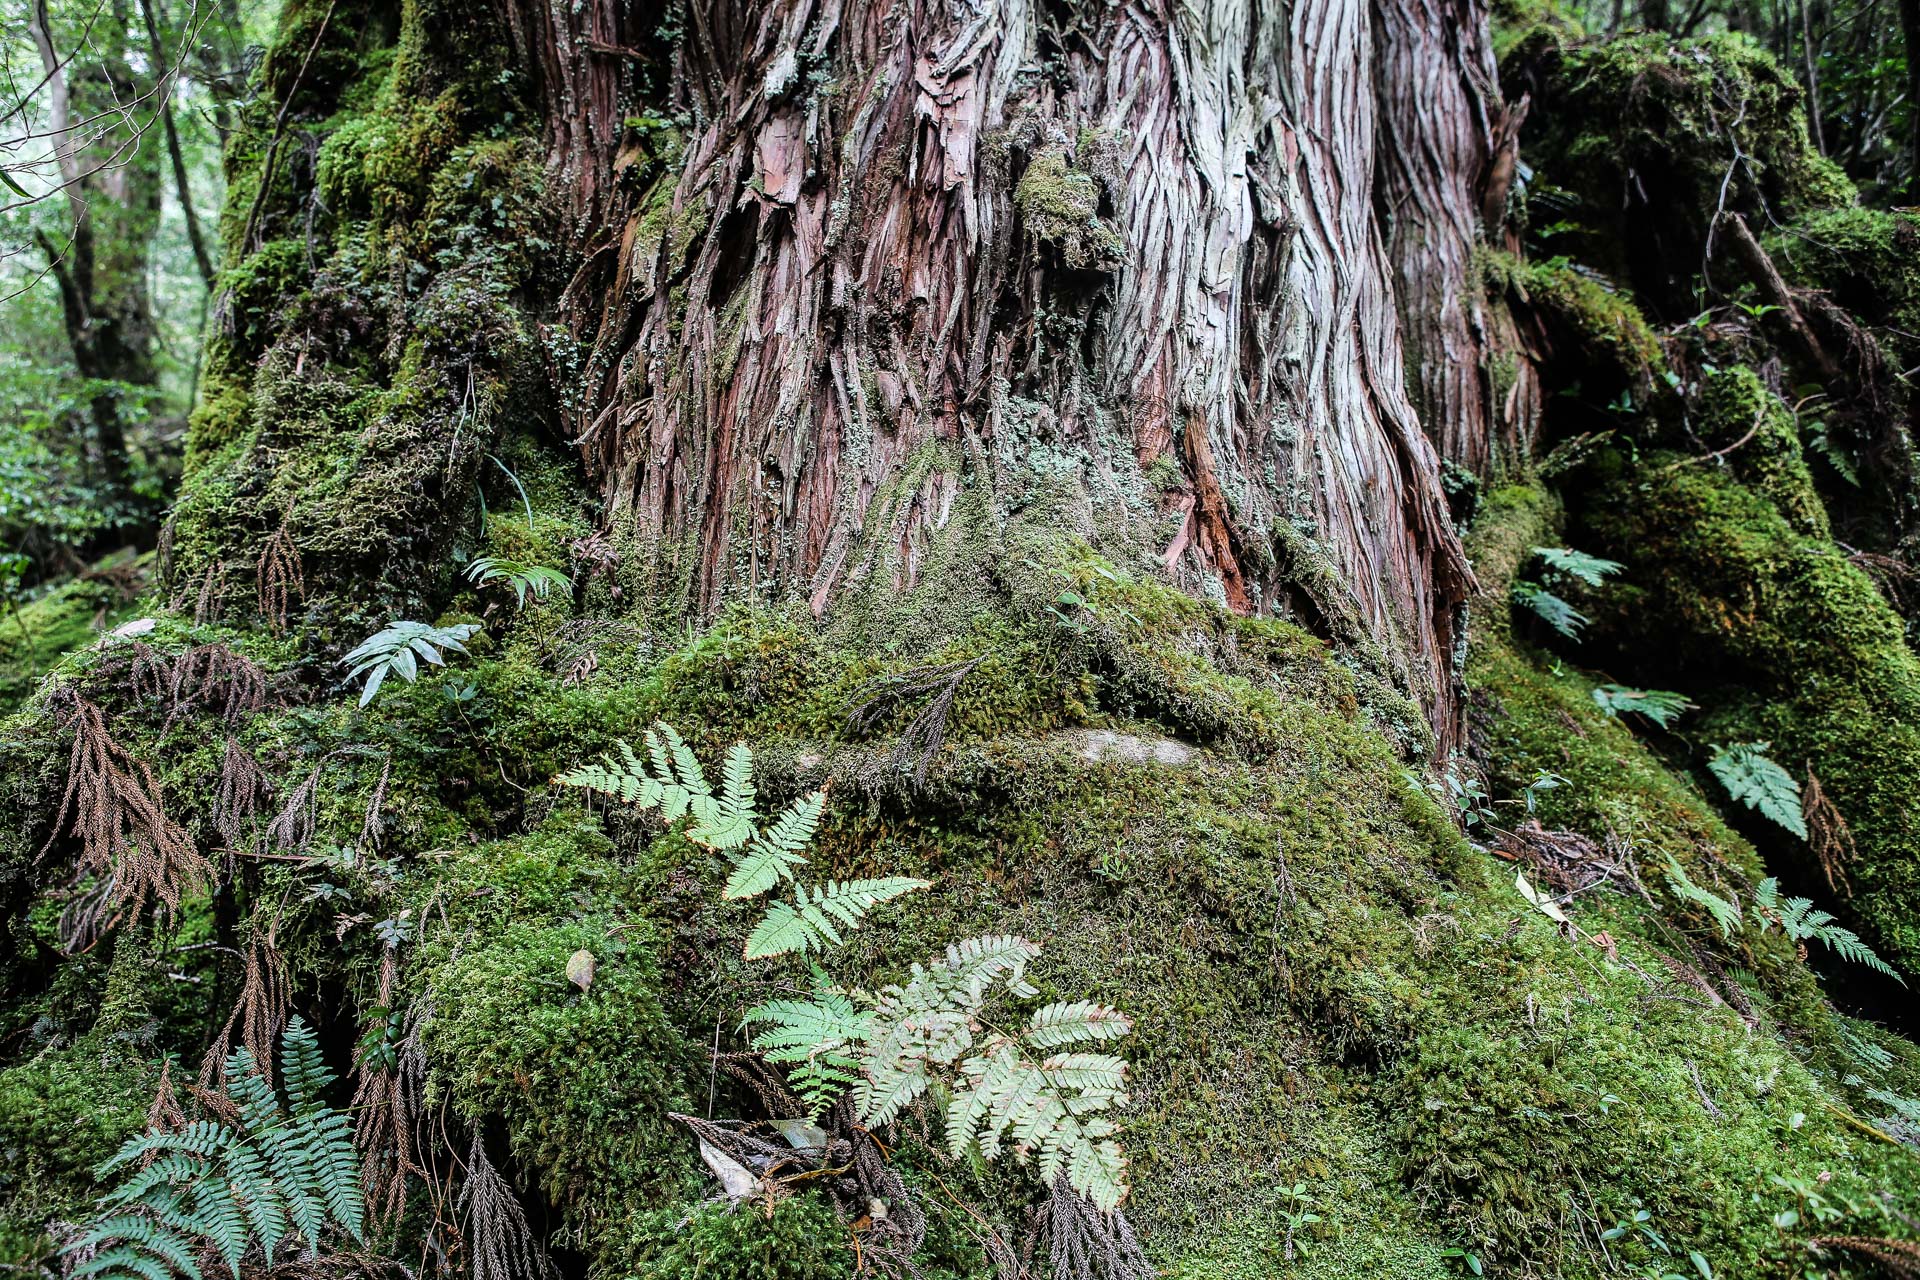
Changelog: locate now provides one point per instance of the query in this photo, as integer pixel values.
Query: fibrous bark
(1138, 238)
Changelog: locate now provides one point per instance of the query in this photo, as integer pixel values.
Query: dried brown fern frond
(211, 598)
(243, 791)
(213, 678)
(259, 1015)
(278, 576)
(1083, 1243)
(292, 828)
(1897, 1259)
(164, 1114)
(112, 806)
(374, 825)
(500, 1244)
(921, 740)
(387, 1095)
(1828, 834)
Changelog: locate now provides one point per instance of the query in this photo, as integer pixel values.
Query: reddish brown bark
(1114, 233)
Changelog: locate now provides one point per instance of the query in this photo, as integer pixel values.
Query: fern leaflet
(775, 851)
(1726, 914)
(814, 918)
(1753, 779)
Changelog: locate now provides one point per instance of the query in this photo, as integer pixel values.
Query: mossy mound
(1202, 818)
(1646, 137)
(1735, 595)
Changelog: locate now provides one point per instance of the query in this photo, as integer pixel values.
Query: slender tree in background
(111, 187)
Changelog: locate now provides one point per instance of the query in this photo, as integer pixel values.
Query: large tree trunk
(1141, 236)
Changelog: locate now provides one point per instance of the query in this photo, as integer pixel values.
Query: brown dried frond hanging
(266, 998)
(165, 1113)
(920, 742)
(1084, 1243)
(244, 790)
(1898, 1259)
(374, 825)
(1828, 834)
(387, 1097)
(137, 855)
(212, 596)
(278, 576)
(212, 677)
(500, 1244)
(293, 826)
(130, 670)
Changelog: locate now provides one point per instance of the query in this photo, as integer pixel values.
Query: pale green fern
(1753, 779)
(1591, 570)
(813, 920)
(534, 580)
(282, 1173)
(1725, 913)
(1039, 1092)
(1798, 918)
(1029, 1091)
(669, 778)
(1662, 706)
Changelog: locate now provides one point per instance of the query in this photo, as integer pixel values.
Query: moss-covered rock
(1650, 136)
(1735, 595)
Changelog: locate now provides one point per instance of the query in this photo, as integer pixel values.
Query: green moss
(1606, 328)
(800, 1238)
(38, 633)
(582, 1080)
(1733, 598)
(1651, 135)
(1060, 205)
(1867, 261)
(61, 1113)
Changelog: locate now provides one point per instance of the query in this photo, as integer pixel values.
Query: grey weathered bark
(1447, 164)
(1138, 237)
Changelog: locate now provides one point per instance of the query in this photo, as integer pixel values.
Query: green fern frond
(1062, 1024)
(138, 1235)
(816, 915)
(1008, 1098)
(536, 580)
(1725, 914)
(1550, 609)
(287, 1172)
(126, 1260)
(1591, 570)
(775, 852)
(303, 1072)
(1754, 780)
(1661, 706)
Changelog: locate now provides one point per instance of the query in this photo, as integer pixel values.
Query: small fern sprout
(400, 648)
(526, 579)
(1661, 706)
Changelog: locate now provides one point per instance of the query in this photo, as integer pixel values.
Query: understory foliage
(260, 1175)
(1032, 1091)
